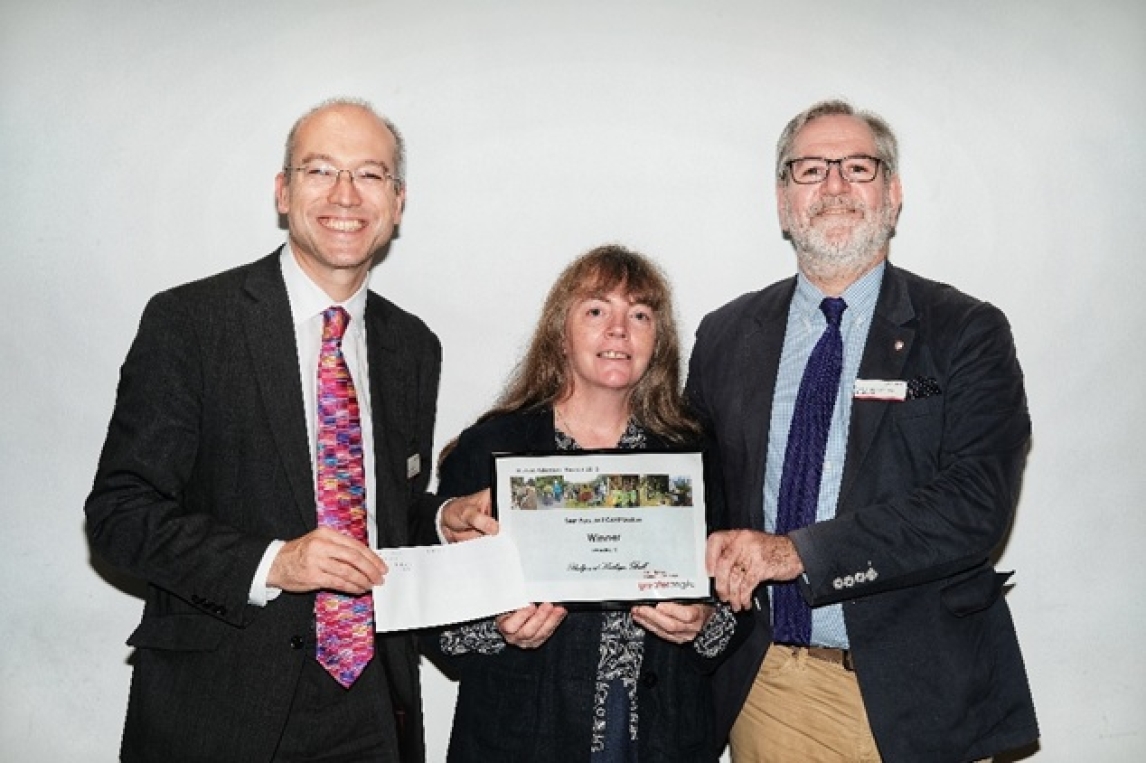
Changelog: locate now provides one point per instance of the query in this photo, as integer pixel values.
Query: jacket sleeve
(138, 513)
(466, 468)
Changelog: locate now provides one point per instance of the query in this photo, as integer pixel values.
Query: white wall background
(138, 142)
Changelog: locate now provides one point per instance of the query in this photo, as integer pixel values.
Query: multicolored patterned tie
(804, 464)
(344, 624)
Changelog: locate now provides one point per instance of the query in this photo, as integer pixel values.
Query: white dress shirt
(307, 303)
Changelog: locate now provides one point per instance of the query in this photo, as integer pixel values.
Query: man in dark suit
(881, 631)
(206, 487)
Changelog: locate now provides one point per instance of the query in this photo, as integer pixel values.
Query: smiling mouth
(341, 225)
(613, 355)
(839, 207)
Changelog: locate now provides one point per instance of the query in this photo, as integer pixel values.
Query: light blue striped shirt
(805, 326)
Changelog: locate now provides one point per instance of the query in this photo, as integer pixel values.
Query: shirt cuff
(260, 592)
(438, 521)
(480, 637)
(717, 632)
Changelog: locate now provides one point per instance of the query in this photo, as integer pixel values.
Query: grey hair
(360, 103)
(885, 143)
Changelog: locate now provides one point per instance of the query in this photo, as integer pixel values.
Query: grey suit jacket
(207, 460)
(928, 494)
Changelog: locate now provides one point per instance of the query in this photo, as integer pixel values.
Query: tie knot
(833, 309)
(334, 320)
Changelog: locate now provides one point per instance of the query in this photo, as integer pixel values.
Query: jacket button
(297, 642)
(649, 680)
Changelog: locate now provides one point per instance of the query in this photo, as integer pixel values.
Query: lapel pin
(898, 345)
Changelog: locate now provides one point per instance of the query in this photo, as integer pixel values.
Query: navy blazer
(928, 494)
(524, 706)
(207, 460)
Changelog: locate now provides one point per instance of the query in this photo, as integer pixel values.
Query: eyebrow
(632, 298)
(313, 157)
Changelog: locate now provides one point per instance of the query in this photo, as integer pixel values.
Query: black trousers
(331, 724)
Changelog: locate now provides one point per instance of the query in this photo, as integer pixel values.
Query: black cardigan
(535, 705)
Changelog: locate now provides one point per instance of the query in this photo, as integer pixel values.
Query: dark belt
(841, 657)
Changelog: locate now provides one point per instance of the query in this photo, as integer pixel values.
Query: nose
(617, 328)
(834, 182)
(345, 194)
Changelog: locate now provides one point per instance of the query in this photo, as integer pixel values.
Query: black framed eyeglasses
(325, 176)
(809, 170)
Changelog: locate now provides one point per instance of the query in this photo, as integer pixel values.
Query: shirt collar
(860, 296)
(308, 300)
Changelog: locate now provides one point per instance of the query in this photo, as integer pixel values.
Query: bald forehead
(344, 124)
(343, 113)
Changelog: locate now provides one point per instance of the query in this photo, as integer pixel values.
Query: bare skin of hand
(740, 560)
(530, 627)
(678, 623)
(325, 559)
(468, 517)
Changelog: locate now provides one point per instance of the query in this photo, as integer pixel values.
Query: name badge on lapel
(413, 466)
(877, 389)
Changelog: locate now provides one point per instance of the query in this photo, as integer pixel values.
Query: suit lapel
(390, 391)
(888, 346)
(757, 363)
(269, 331)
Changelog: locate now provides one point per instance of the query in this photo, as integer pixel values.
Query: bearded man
(872, 428)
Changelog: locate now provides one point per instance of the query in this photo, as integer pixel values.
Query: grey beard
(824, 259)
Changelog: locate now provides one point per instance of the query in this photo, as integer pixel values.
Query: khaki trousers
(803, 710)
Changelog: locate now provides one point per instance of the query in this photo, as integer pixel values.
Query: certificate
(602, 527)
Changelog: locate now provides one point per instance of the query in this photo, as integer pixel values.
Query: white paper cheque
(438, 585)
(601, 527)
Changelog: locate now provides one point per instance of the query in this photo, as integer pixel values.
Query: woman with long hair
(544, 683)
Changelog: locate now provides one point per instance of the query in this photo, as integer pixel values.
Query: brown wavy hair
(541, 378)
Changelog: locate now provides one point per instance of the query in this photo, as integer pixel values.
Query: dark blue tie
(804, 465)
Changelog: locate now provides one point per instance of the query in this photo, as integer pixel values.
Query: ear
(895, 193)
(399, 204)
(282, 194)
